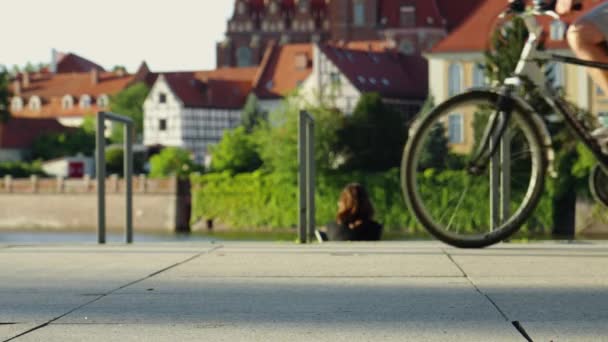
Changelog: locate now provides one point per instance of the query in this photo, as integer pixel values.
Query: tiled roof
(455, 12)
(51, 88)
(475, 32)
(221, 88)
(389, 73)
(20, 133)
(73, 63)
(282, 69)
(368, 45)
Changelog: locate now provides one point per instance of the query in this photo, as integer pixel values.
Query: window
(301, 61)
(407, 16)
(85, 101)
(407, 47)
(16, 104)
(479, 77)
(555, 75)
(603, 116)
(455, 79)
(335, 78)
(35, 103)
(359, 13)
(599, 91)
(162, 98)
(455, 127)
(67, 102)
(102, 101)
(162, 125)
(558, 30)
(243, 56)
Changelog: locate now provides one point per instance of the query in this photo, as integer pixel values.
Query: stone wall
(591, 218)
(158, 204)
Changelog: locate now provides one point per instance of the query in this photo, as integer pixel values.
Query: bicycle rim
(450, 202)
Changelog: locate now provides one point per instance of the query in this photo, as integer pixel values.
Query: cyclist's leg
(588, 38)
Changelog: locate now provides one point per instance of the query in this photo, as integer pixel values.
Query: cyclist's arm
(565, 6)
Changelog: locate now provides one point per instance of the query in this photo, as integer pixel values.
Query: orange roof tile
(281, 73)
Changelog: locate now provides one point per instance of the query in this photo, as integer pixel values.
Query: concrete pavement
(389, 291)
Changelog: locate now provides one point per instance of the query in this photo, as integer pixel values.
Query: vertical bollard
(302, 177)
(494, 188)
(310, 177)
(505, 176)
(128, 173)
(101, 178)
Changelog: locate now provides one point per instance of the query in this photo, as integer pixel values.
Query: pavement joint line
(464, 274)
(113, 291)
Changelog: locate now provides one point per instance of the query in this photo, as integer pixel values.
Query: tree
(130, 102)
(236, 153)
(172, 161)
(252, 114)
(4, 95)
(373, 137)
(80, 140)
(277, 138)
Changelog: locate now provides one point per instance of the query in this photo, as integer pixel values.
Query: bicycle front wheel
(450, 201)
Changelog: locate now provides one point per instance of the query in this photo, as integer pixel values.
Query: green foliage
(4, 95)
(114, 161)
(434, 153)
(172, 161)
(235, 153)
(21, 169)
(269, 200)
(129, 102)
(252, 114)
(373, 136)
(277, 139)
(506, 45)
(72, 142)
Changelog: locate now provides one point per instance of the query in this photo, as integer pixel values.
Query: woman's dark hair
(355, 206)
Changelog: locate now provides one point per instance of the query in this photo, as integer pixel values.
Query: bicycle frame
(529, 69)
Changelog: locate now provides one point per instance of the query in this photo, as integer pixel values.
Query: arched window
(35, 103)
(558, 30)
(479, 77)
(359, 13)
(103, 101)
(455, 79)
(85, 101)
(243, 56)
(555, 75)
(16, 104)
(67, 102)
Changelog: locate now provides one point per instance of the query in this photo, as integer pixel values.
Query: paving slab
(9, 330)
(324, 331)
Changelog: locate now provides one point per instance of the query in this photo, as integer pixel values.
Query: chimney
(53, 66)
(16, 88)
(25, 80)
(94, 76)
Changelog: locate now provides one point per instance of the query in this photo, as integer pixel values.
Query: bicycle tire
(421, 128)
(598, 184)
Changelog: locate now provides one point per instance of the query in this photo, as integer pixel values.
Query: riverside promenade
(235, 291)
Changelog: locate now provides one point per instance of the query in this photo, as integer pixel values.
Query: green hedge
(262, 200)
(20, 169)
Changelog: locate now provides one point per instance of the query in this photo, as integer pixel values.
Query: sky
(168, 35)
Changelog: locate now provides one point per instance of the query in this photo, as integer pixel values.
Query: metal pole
(310, 177)
(128, 173)
(101, 178)
(494, 189)
(302, 177)
(505, 176)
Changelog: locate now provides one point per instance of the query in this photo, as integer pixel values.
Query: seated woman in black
(354, 221)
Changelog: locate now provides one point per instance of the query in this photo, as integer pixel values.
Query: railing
(306, 177)
(101, 174)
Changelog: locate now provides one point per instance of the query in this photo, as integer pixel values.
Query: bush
(235, 153)
(21, 169)
(262, 200)
(172, 161)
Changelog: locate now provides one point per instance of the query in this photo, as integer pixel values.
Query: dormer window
(85, 101)
(67, 102)
(558, 30)
(35, 103)
(16, 104)
(103, 101)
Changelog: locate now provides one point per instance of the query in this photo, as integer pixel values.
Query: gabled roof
(20, 133)
(71, 62)
(391, 74)
(283, 69)
(51, 88)
(221, 88)
(456, 12)
(475, 32)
